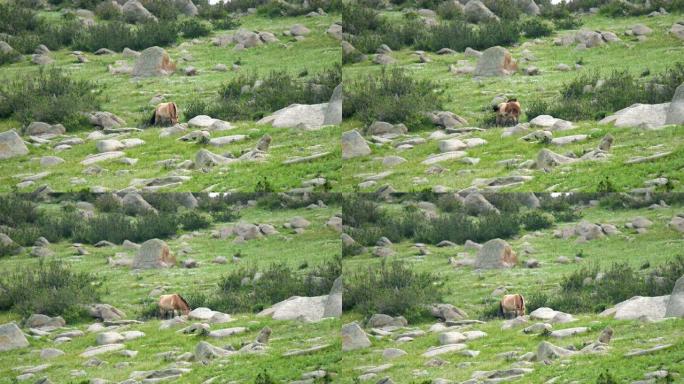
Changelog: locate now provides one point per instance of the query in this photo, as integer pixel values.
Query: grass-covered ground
(474, 292)
(130, 291)
(471, 98)
(128, 98)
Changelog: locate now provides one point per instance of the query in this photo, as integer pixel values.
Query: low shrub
(448, 10)
(392, 96)
(51, 96)
(192, 220)
(536, 27)
(393, 288)
(117, 35)
(574, 103)
(248, 289)
(249, 97)
(56, 290)
(581, 291)
(192, 28)
(536, 220)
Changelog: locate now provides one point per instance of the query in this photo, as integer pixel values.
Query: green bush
(240, 291)
(581, 292)
(117, 35)
(449, 11)
(574, 103)
(56, 290)
(536, 220)
(393, 288)
(249, 97)
(393, 96)
(191, 28)
(51, 96)
(536, 27)
(458, 35)
(192, 220)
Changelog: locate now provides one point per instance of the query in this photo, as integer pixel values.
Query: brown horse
(169, 304)
(512, 306)
(165, 114)
(508, 113)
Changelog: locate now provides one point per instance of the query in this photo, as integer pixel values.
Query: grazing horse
(169, 304)
(165, 114)
(508, 113)
(512, 306)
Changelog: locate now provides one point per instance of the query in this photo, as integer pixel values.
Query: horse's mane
(184, 302)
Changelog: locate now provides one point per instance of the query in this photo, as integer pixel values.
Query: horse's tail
(152, 119)
(522, 305)
(501, 310)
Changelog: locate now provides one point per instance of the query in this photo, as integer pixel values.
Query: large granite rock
(153, 61)
(495, 61)
(11, 337)
(495, 254)
(11, 145)
(153, 253)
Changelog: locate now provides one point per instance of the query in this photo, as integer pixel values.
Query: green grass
(128, 98)
(471, 99)
(128, 291)
(472, 292)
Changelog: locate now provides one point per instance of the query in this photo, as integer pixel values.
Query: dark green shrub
(192, 220)
(248, 97)
(51, 96)
(108, 202)
(359, 209)
(576, 104)
(392, 96)
(10, 57)
(191, 28)
(162, 226)
(449, 11)
(535, 220)
(117, 35)
(240, 291)
(606, 378)
(107, 11)
(391, 288)
(56, 290)
(357, 19)
(536, 27)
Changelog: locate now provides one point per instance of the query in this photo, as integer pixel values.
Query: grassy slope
(471, 99)
(127, 290)
(470, 290)
(127, 98)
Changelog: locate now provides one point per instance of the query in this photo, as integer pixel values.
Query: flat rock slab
(305, 159)
(307, 351)
(226, 332)
(92, 159)
(640, 352)
(639, 115)
(565, 140)
(94, 351)
(11, 145)
(569, 332)
(435, 351)
(225, 140)
(443, 157)
(644, 159)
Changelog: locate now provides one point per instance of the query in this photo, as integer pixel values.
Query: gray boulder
(105, 120)
(38, 128)
(548, 351)
(11, 145)
(354, 145)
(11, 337)
(646, 116)
(675, 306)
(476, 12)
(495, 254)
(529, 7)
(105, 312)
(153, 253)
(153, 61)
(353, 337)
(135, 12)
(476, 204)
(675, 111)
(187, 7)
(333, 113)
(305, 116)
(205, 158)
(333, 306)
(495, 61)
(134, 204)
